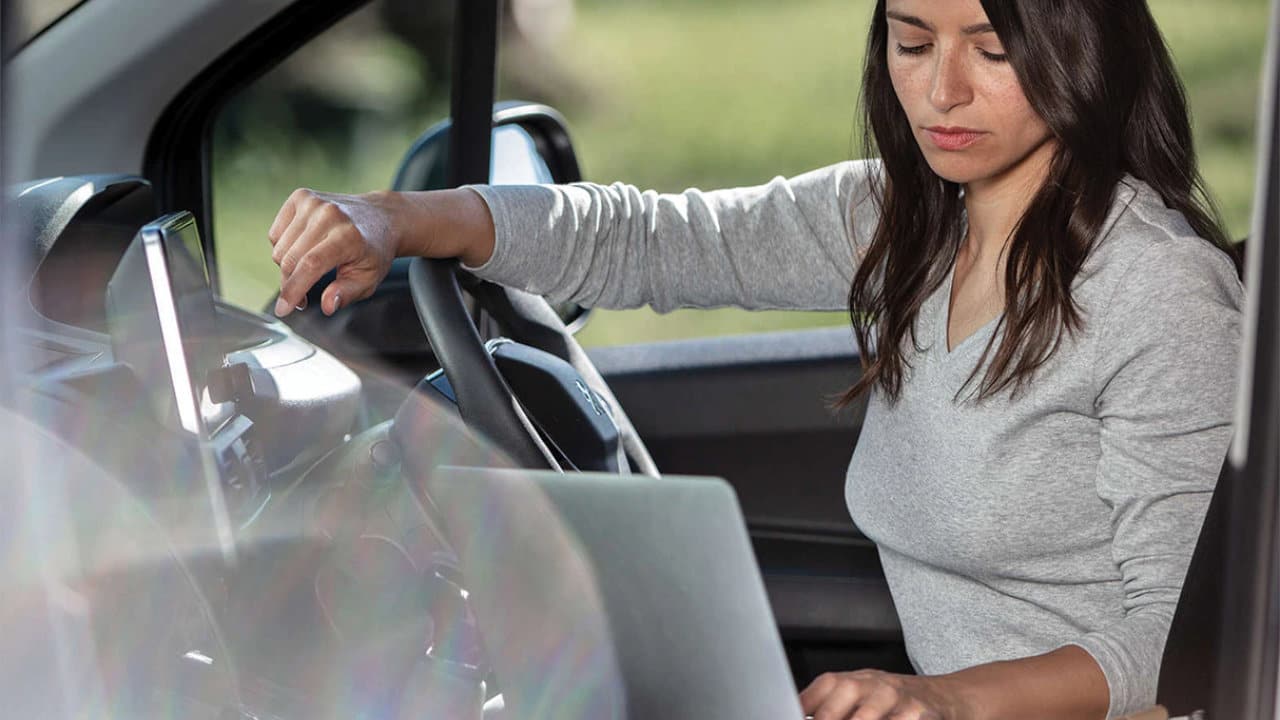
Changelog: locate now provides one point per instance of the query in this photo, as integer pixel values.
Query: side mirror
(530, 146)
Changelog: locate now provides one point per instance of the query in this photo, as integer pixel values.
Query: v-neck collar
(945, 324)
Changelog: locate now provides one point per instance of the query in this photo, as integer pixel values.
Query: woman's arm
(787, 244)
(1065, 684)
(360, 235)
(1165, 368)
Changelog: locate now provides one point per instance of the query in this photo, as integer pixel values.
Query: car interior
(287, 463)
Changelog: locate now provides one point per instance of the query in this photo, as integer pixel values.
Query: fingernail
(337, 302)
(302, 305)
(282, 308)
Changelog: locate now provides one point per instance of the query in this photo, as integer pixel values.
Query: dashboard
(199, 384)
(248, 443)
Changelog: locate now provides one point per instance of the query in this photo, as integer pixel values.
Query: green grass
(717, 93)
(708, 97)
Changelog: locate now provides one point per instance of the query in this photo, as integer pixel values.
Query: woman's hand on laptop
(360, 235)
(876, 695)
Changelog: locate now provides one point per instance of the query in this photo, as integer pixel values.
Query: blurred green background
(664, 94)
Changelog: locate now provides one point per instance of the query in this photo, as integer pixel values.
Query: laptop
(606, 596)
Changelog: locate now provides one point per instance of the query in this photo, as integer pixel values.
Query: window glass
(669, 94)
(1218, 48)
(337, 116)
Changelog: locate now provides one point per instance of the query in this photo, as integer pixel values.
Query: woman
(1048, 317)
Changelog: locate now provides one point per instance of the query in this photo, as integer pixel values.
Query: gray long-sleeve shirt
(1008, 527)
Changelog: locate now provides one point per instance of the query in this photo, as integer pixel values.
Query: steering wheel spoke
(485, 396)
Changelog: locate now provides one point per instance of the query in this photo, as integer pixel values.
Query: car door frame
(178, 154)
(1248, 655)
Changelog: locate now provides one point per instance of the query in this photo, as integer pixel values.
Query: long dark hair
(1099, 74)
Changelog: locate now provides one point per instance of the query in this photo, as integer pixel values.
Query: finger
(840, 702)
(342, 292)
(313, 215)
(811, 697)
(298, 224)
(355, 281)
(322, 257)
(325, 256)
(320, 221)
(331, 299)
(285, 215)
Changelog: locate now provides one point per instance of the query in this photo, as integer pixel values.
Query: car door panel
(754, 409)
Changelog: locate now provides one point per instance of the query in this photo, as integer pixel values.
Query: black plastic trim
(475, 67)
(831, 609)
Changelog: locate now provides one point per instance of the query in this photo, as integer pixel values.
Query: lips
(952, 139)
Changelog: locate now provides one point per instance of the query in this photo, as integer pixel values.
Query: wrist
(412, 233)
(961, 700)
(445, 224)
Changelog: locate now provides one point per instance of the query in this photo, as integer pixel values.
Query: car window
(669, 94)
(337, 115)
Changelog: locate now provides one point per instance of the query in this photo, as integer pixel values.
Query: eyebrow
(977, 29)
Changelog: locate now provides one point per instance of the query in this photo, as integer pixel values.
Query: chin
(957, 169)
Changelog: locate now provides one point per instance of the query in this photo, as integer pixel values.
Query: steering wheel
(484, 397)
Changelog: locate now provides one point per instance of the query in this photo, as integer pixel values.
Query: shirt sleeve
(787, 244)
(1166, 368)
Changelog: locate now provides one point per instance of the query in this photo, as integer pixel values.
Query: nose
(951, 87)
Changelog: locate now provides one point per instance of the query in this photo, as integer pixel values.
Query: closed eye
(912, 49)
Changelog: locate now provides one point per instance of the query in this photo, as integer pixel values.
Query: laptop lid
(642, 592)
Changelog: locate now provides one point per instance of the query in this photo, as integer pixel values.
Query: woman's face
(959, 92)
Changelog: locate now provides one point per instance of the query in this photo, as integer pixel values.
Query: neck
(994, 205)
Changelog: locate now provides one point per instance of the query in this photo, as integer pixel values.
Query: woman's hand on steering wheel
(360, 235)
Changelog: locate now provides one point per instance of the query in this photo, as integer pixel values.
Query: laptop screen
(642, 594)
